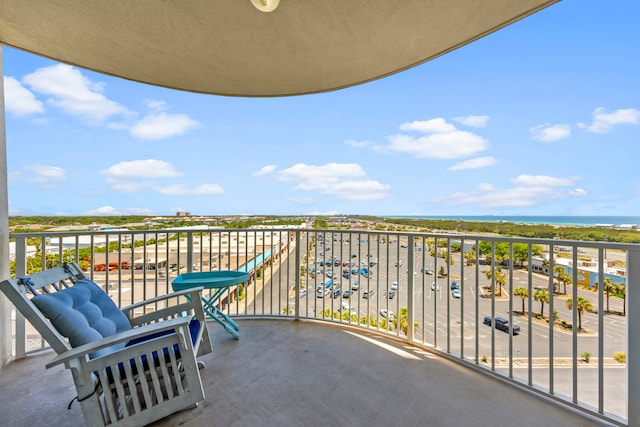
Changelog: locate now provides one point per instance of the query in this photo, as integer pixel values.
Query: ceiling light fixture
(265, 5)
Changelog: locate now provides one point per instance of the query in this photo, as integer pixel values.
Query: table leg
(225, 321)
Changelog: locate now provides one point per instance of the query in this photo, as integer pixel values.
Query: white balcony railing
(450, 287)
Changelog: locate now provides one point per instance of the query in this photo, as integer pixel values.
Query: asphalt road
(450, 331)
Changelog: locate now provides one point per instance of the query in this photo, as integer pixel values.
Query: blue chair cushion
(83, 313)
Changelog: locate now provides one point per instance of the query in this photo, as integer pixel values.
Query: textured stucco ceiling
(228, 47)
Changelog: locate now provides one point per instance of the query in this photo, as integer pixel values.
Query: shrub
(586, 356)
(620, 356)
(484, 358)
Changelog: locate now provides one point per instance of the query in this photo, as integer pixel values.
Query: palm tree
(622, 290)
(501, 279)
(541, 295)
(470, 257)
(523, 293)
(403, 318)
(545, 265)
(609, 286)
(562, 276)
(582, 305)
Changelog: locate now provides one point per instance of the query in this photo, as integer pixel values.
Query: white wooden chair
(127, 369)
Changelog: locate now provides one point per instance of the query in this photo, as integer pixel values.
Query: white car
(320, 293)
(394, 286)
(385, 314)
(435, 287)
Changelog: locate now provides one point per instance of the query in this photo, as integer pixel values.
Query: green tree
(609, 286)
(582, 306)
(500, 279)
(542, 296)
(470, 257)
(520, 253)
(622, 290)
(320, 223)
(523, 293)
(403, 318)
(562, 276)
(441, 271)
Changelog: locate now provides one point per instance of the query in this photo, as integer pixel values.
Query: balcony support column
(633, 332)
(410, 293)
(5, 305)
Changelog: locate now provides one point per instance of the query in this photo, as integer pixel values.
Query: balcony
(355, 361)
(290, 373)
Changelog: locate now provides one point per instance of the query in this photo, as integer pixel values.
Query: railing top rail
(445, 235)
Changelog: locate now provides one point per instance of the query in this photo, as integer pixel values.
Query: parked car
(367, 294)
(346, 294)
(346, 275)
(456, 293)
(454, 285)
(427, 271)
(503, 325)
(394, 286)
(320, 293)
(398, 263)
(435, 286)
(336, 292)
(386, 315)
(355, 286)
(391, 294)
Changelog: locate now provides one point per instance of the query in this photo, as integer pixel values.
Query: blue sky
(540, 118)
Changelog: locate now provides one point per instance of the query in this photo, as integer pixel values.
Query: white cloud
(550, 133)
(181, 190)
(473, 121)
(150, 168)
(477, 163)
(529, 190)
(438, 125)
(162, 125)
(111, 211)
(318, 175)
(342, 180)
(444, 141)
(604, 122)
(44, 174)
(19, 100)
(156, 105)
(266, 170)
(73, 92)
(543, 180)
(138, 175)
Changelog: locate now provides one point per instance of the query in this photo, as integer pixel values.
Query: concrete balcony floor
(287, 373)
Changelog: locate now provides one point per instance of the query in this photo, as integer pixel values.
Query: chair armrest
(191, 304)
(193, 293)
(123, 337)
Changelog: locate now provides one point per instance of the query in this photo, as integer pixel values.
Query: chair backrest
(65, 307)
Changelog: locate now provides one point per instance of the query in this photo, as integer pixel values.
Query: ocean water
(550, 220)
